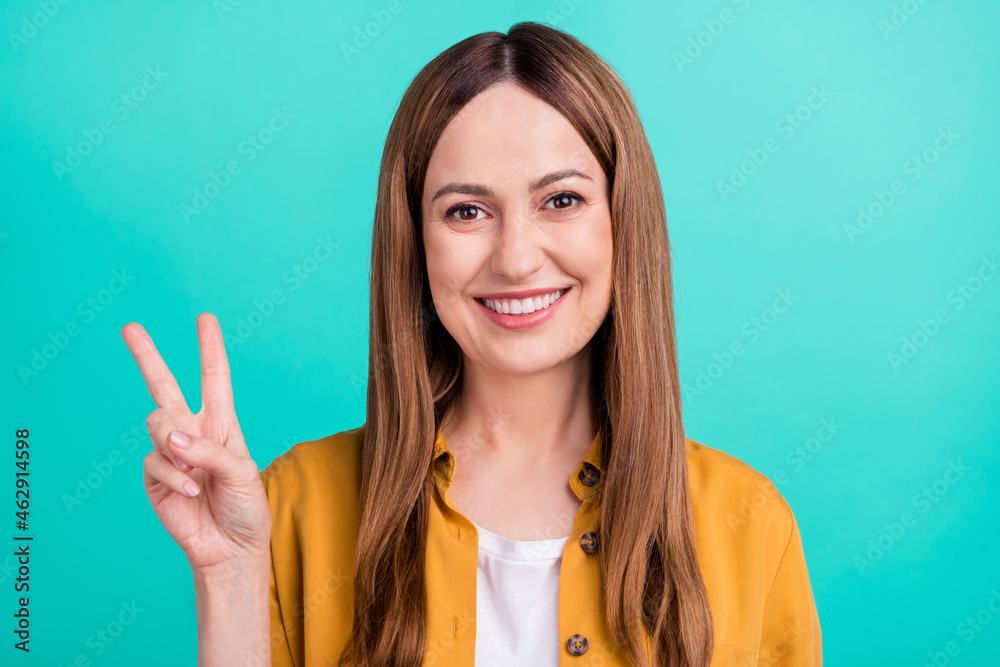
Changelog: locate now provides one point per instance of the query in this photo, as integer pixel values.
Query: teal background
(301, 374)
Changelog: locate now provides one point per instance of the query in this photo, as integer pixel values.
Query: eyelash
(572, 195)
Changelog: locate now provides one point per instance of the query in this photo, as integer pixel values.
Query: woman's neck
(543, 418)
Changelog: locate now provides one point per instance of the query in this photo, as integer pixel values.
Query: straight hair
(651, 574)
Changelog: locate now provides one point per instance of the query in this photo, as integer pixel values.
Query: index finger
(159, 380)
(216, 384)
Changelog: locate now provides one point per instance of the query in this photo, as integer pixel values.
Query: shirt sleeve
(790, 632)
(281, 654)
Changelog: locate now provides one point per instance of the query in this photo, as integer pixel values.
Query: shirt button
(589, 542)
(577, 644)
(589, 475)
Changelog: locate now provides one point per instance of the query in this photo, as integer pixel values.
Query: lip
(523, 321)
(520, 295)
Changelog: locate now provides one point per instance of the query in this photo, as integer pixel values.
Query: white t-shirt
(517, 601)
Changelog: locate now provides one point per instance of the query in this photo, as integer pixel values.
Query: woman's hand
(208, 495)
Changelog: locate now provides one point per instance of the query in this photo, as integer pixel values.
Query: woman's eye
(564, 200)
(462, 210)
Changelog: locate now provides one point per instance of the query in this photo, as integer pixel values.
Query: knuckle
(248, 467)
(160, 387)
(153, 463)
(214, 370)
(156, 419)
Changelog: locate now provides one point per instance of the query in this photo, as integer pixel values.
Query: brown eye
(564, 200)
(466, 212)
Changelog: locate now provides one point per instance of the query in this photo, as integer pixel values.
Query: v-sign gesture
(200, 479)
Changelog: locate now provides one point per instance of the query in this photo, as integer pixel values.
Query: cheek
(450, 268)
(587, 253)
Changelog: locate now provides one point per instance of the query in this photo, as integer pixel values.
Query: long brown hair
(649, 564)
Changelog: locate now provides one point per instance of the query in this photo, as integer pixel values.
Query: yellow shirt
(748, 544)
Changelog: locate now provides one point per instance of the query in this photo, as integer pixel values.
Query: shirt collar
(444, 464)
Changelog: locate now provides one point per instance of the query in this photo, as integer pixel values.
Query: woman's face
(516, 206)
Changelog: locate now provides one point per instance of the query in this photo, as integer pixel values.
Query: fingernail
(180, 439)
(190, 488)
(182, 465)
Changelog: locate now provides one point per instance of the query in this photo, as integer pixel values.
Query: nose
(517, 252)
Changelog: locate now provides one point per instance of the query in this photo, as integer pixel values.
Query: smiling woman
(521, 491)
(538, 219)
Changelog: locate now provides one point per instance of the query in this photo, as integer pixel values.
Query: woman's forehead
(507, 131)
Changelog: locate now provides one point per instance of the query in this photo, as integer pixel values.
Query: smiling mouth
(523, 306)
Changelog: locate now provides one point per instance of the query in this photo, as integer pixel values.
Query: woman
(521, 491)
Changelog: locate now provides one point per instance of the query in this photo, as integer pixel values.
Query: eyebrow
(484, 191)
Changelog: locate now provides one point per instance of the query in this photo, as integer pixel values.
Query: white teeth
(523, 306)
